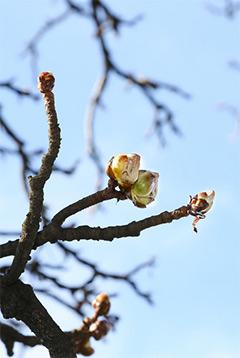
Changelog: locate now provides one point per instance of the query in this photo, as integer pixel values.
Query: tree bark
(19, 301)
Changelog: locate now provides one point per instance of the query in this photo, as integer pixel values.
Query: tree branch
(31, 223)
(18, 301)
(96, 198)
(10, 335)
(52, 233)
(21, 92)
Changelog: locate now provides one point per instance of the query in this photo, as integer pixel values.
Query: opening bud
(102, 304)
(200, 204)
(144, 190)
(99, 329)
(124, 169)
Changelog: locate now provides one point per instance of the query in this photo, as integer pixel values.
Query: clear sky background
(195, 283)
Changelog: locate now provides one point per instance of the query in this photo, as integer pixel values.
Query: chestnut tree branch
(31, 224)
(96, 198)
(19, 301)
(53, 233)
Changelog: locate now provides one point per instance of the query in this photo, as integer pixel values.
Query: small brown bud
(102, 304)
(46, 82)
(85, 349)
(99, 329)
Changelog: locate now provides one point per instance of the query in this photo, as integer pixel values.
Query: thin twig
(31, 223)
(96, 198)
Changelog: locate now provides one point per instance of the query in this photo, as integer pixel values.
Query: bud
(100, 329)
(84, 349)
(124, 169)
(101, 304)
(200, 204)
(144, 190)
(45, 82)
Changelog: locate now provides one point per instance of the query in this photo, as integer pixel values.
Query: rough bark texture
(18, 301)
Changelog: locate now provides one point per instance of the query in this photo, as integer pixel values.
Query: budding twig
(31, 223)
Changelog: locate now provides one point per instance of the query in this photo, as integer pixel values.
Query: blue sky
(195, 283)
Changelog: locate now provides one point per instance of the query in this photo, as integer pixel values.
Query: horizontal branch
(119, 231)
(52, 233)
(9, 85)
(9, 335)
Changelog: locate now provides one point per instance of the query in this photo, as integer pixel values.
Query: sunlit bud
(144, 191)
(84, 349)
(102, 304)
(100, 329)
(124, 169)
(45, 82)
(200, 204)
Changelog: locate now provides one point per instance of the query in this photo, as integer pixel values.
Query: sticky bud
(144, 190)
(200, 204)
(85, 349)
(102, 304)
(124, 169)
(99, 329)
(46, 82)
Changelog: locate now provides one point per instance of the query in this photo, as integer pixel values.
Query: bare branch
(96, 272)
(52, 233)
(146, 86)
(130, 230)
(105, 19)
(18, 301)
(10, 335)
(96, 198)
(21, 92)
(92, 149)
(60, 344)
(31, 223)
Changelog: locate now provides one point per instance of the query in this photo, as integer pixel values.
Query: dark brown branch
(31, 223)
(132, 229)
(18, 301)
(96, 198)
(10, 335)
(48, 333)
(9, 85)
(53, 233)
